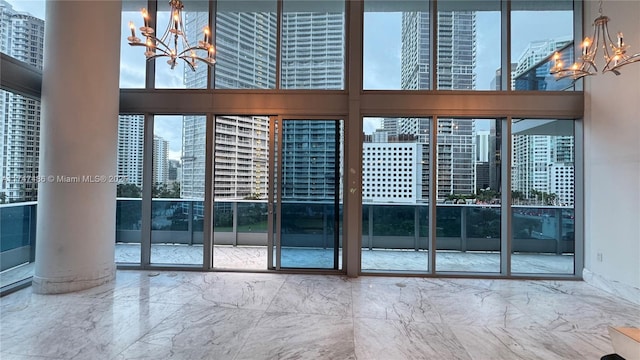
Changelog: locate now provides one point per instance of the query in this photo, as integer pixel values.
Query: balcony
(394, 236)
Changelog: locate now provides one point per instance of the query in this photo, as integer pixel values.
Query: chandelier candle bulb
(620, 42)
(145, 17)
(133, 29)
(206, 35)
(585, 46)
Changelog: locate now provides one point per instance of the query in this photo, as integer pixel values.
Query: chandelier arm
(185, 41)
(192, 48)
(208, 62)
(155, 39)
(627, 60)
(191, 66)
(157, 56)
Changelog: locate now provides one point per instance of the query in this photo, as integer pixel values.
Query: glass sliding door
(307, 199)
(177, 207)
(468, 191)
(395, 194)
(129, 189)
(542, 196)
(241, 169)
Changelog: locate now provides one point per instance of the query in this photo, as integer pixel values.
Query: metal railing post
(463, 228)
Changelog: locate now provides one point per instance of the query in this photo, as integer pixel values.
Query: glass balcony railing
(17, 241)
(536, 230)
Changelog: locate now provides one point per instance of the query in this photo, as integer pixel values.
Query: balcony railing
(460, 227)
(17, 234)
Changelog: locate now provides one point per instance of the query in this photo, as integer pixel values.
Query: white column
(78, 143)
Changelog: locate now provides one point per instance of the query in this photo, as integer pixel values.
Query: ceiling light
(173, 44)
(614, 53)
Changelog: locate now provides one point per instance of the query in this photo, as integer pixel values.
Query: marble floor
(195, 315)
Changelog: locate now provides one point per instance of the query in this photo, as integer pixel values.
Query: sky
(382, 49)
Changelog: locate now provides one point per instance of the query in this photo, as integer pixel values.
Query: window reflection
(538, 29)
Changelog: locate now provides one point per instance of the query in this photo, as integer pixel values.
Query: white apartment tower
(130, 148)
(22, 37)
(544, 163)
(391, 172)
(160, 160)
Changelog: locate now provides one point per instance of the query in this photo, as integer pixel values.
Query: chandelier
(615, 53)
(173, 44)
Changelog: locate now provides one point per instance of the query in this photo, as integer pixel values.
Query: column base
(61, 285)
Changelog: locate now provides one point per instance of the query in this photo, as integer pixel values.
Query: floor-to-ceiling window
(395, 194)
(22, 47)
(538, 30)
(468, 195)
(129, 188)
(436, 67)
(543, 196)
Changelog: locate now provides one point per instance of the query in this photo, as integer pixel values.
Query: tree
(254, 196)
(517, 196)
(163, 191)
(486, 195)
(551, 199)
(129, 191)
(3, 198)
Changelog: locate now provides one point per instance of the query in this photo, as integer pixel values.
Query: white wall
(612, 162)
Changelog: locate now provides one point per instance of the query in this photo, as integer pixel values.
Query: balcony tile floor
(255, 258)
(195, 315)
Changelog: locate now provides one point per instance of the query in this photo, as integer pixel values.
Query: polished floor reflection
(194, 315)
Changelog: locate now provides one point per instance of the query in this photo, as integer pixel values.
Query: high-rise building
(246, 59)
(175, 170)
(22, 37)
(543, 163)
(390, 126)
(533, 68)
(456, 63)
(245, 48)
(391, 172)
(160, 160)
(536, 51)
(241, 166)
(313, 47)
(482, 146)
(481, 159)
(130, 148)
